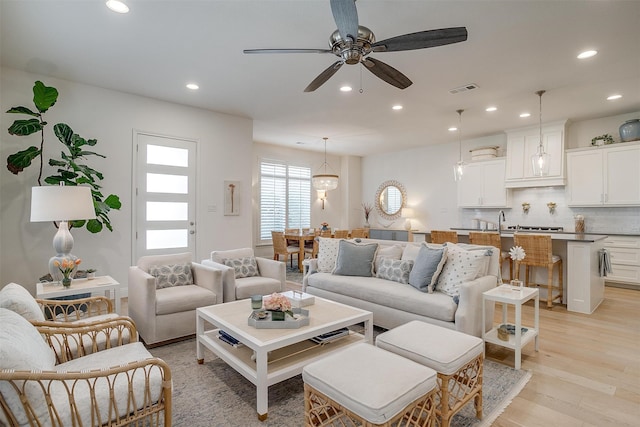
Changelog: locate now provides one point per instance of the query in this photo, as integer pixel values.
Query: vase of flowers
(517, 254)
(324, 226)
(278, 305)
(367, 208)
(67, 267)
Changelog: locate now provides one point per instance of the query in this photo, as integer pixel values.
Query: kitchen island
(583, 286)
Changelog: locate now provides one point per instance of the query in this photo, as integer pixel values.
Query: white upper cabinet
(608, 176)
(523, 143)
(482, 185)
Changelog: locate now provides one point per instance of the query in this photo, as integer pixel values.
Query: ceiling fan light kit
(352, 43)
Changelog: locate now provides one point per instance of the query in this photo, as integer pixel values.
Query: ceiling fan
(352, 43)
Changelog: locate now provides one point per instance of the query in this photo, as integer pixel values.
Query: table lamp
(61, 203)
(408, 214)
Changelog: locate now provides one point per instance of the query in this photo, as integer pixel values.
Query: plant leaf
(22, 159)
(44, 97)
(113, 201)
(64, 133)
(94, 226)
(25, 127)
(23, 110)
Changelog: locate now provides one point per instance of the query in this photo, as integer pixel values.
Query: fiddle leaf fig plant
(70, 169)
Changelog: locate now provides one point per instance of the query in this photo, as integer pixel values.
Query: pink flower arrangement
(277, 302)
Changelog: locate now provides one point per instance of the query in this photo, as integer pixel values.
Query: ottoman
(363, 385)
(457, 357)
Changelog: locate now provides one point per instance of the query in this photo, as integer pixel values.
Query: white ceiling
(514, 48)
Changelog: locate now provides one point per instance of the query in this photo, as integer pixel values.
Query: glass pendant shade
(540, 161)
(325, 181)
(458, 168)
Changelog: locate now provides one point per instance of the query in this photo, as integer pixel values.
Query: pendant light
(458, 168)
(541, 160)
(324, 181)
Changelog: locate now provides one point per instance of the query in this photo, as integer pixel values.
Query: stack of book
(224, 336)
(330, 336)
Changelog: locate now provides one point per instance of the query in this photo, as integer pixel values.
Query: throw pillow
(427, 268)
(244, 267)
(327, 254)
(395, 269)
(461, 266)
(355, 259)
(17, 299)
(410, 252)
(390, 252)
(171, 275)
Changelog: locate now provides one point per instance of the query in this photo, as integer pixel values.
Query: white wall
(427, 174)
(225, 145)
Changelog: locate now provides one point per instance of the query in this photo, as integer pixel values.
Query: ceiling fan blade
(346, 16)
(421, 40)
(324, 76)
(387, 73)
(287, 51)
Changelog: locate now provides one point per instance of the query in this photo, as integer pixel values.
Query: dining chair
(443, 236)
(280, 247)
(341, 234)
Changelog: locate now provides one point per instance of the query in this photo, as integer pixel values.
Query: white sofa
(394, 304)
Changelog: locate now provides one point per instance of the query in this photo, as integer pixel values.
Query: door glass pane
(168, 156)
(163, 183)
(164, 239)
(167, 211)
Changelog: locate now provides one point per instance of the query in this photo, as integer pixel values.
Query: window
(285, 197)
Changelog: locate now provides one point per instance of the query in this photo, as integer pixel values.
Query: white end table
(103, 284)
(507, 294)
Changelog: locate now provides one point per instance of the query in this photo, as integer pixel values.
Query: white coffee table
(100, 284)
(279, 353)
(507, 294)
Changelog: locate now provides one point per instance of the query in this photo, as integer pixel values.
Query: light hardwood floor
(587, 372)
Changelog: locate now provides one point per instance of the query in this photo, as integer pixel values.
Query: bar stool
(443, 236)
(538, 253)
(492, 239)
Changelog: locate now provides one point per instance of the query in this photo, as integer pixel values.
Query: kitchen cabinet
(607, 176)
(482, 185)
(386, 234)
(523, 143)
(624, 253)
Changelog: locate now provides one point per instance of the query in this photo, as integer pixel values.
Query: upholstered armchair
(42, 384)
(164, 292)
(244, 275)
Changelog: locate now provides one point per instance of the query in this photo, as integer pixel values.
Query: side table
(507, 294)
(103, 284)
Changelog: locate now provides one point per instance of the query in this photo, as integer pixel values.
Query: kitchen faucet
(500, 219)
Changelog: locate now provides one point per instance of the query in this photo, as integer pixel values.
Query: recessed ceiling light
(452, 129)
(491, 109)
(192, 86)
(117, 6)
(614, 97)
(346, 89)
(523, 115)
(397, 107)
(587, 54)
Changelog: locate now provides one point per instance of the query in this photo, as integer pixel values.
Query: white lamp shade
(61, 203)
(325, 182)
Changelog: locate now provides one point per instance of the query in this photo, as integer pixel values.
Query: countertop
(569, 237)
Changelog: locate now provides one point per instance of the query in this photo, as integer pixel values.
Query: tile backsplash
(607, 220)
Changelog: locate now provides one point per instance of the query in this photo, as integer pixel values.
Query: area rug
(294, 275)
(213, 394)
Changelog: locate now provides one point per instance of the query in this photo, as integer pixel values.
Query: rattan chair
(359, 233)
(280, 247)
(122, 385)
(443, 236)
(538, 253)
(325, 233)
(492, 239)
(341, 234)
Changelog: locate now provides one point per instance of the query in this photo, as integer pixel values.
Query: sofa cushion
(171, 275)
(427, 267)
(17, 299)
(461, 266)
(243, 267)
(220, 256)
(389, 252)
(327, 253)
(355, 259)
(395, 270)
(177, 299)
(387, 293)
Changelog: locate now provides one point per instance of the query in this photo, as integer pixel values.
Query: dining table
(301, 238)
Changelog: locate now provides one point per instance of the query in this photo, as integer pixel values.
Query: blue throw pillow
(427, 267)
(355, 259)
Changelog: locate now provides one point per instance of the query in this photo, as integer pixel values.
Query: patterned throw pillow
(395, 270)
(171, 275)
(391, 252)
(327, 254)
(244, 267)
(461, 266)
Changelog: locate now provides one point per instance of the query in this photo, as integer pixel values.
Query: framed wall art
(232, 190)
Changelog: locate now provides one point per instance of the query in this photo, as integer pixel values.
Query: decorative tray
(257, 320)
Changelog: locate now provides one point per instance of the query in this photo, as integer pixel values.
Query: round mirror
(390, 199)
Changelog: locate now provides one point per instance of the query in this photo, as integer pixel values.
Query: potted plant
(91, 273)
